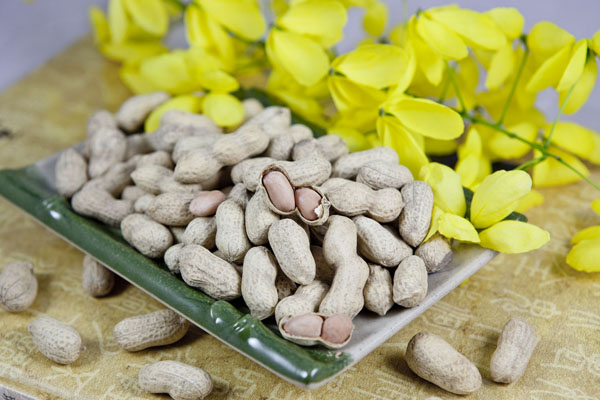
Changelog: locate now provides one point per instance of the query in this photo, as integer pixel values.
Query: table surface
(47, 111)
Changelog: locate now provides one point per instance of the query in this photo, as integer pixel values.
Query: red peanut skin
(307, 200)
(280, 191)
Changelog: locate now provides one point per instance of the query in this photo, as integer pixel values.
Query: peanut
(291, 246)
(230, 149)
(310, 171)
(189, 143)
(515, 347)
(416, 217)
(256, 164)
(179, 380)
(348, 166)
(216, 277)
(435, 360)
(330, 147)
(284, 285)
(410, 282)
(281, 146)
(172, 257)
(378, 292)
(177, 232)
(337, 329)
(107, 147)
(138, 144)
(252, 108)
(97, 203)
(219, 180)
(99, 120)
(258, 282)
(324, 271)
(157, 179)
(201, 231)
(148, 236)
(18, 286)
(96, 279)
(306, 300)
(171, 208)
(55, 340)
(161, 158)
(142, 203)
(279, 190)
(231, 236)
(436, 253)
(353, 198)
(259, 218)
(308, 202)
(132, 193)
(200, 124)
(71, 172)
(307, 325)
(133, 112)
(339, 247)
(205, 203)
(379, 243)
(168, 135)
(378, 174)
(115, 179)
(150, 330)
(273, 121)
(239, 194)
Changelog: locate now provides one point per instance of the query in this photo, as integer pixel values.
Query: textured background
(47, 111)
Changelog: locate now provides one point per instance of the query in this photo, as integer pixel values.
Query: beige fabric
(47, 111)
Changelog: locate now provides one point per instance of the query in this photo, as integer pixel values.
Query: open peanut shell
(312, 341)
(322, 210)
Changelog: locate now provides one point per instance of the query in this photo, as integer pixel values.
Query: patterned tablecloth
(47, 111)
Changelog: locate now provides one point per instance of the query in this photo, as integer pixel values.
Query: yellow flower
(99, 24)
(585, 256)
(505, 147)
(150, 15)
(301, 57)
(545, 39)
(204, 32)
(582, 89)
(348, 95)
(472, 166)
(596, 206)
(441, 39)
(319, 20)
(593, 232)
(185, 102)
(509, 20)
(242, 17)
(375, 18)
(447, 190)
(375, 65)
(531, 199)
(513, 237)
(455, 227)
(434, 225)
(225, 109)
(436, 147)
(497, 196)
(408, 147)
(355, 140)
(550, 172)
(501, 67)
(595, 42)
(573, 138)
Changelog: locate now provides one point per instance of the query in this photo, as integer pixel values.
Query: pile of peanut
(296, 226)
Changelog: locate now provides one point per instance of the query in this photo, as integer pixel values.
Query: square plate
(32, 189)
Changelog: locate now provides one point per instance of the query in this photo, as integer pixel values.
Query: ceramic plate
(32, 189)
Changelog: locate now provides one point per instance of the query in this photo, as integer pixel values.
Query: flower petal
(506, 147)
(582, 89)
(592, 232)
(545, 39)
(501, 67)
(550, 72)
(375, 18)
(117, 21)
(348, 95)
(596, 206)
(172, 65)
(150, 15)
(531, 199)
(509, 20)
(224, 109)
(595, 42)
(575, 67)
(447, 190)
(321, 20)
(436, 147)
(455, 227)
(409, 151)
(375, 65)
(512, 237)
(303, 58)
(441, 39)
(433, 226)
(552, 173)
(185, 102)
(99, 24)
(573, 138)
(428, 118)
(242, 17)
(497, 196)
(355, 140)
(585, 256)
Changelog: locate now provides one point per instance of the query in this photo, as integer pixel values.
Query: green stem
(528, 164)
(560, 111)
(498, 128)
(455, 86)
(514, 87)
(585, 178)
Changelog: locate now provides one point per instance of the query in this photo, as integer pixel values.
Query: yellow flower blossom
(596, 206)
(320, 20)
(455, 227)
(348, 95)
(545, 39)
(582, 89)
(100, 28)
(512, 237)
(592, 232)
(504, 147)
(550, 172)
(595, 42)
(225, 109)
(375, 18)
(204, 32)
(408, 147)
(434, 225)
(531, 199)
(497, 196)
(441, 39)
(447, 190)
(501, 67)
(185, 102)
(150, 15)
(472, 166)
(509, 20)
(242, 17)
(585, 256)
(355, 140)
(573, 138)
(436, 147)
